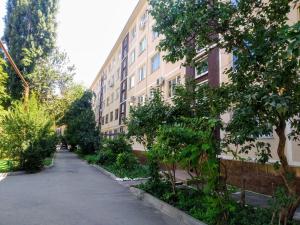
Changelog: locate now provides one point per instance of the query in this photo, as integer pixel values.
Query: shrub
(106, 157)
(33, 159)
(117, 145)
(92, 159)
(28, 135)
(126, 161)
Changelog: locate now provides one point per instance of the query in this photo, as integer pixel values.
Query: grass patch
(8, 166)
(139, 171)
(206, 208)
(47, 161)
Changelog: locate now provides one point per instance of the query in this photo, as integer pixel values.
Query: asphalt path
(72, 193)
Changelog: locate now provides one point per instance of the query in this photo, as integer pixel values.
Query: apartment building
(134, 68)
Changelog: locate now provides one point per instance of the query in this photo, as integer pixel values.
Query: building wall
(108, 98)
(109, 81)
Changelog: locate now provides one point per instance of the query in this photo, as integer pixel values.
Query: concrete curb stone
(165, 208)
(114, 177)
(22, 172)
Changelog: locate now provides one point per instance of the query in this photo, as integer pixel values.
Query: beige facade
(145, 67)
(135, 67)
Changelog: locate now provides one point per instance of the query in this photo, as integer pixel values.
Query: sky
(87, 31)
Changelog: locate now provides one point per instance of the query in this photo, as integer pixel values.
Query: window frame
(197, 74)
(155, 57)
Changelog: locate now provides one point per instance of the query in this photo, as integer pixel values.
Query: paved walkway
(72, 193)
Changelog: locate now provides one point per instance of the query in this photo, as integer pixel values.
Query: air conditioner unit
(160, 81)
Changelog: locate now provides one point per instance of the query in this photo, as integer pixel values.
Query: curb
(52, 162)
(113, 176)
(165, 208)
(17, 173)
(104, 171)
(22, 172)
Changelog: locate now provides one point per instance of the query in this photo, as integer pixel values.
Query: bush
(117, 145)
(27, 134)
(106, 157)
(33, 160)
(92, 159)
(126, 161)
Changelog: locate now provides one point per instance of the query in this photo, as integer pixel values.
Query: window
(116, 114)
(142, 73)
(141, 100)
(202, 68)
(133, 33)
(118, 74)
(123, 86)
(106, 118)
(107, 101)
(152, 93)
(143, 20)
(123, 96)
(117, 93)
(143, 45)
(131, 82)
(102, 120)
(234, 2)
(112, 97)
(234, 59)
(154, 35)
(111, 116)
(132, 57)
(172, 85)
(123, 108)
(124, 64)
(120, 54)
(155, 62)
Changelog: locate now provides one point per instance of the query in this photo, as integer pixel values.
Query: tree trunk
(288, 176)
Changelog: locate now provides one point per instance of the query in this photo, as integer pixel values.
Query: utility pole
(19, 74)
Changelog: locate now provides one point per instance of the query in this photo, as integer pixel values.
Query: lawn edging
(16, 173)
(113, 176)
(165, 208)
(52, 162)
(22, 172)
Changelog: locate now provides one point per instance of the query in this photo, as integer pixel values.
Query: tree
(27, 135)
(30, 33)
(143, 124)
(61, 103)
(264, 86)
(52, 76)
(144, 121)
(81, 124)
(3, 79)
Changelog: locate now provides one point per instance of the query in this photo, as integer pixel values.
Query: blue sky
(87, 31)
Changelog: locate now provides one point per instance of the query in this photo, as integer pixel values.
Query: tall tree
(30, 33)
(60, 104)
(3, 93)
(81, 124)
(265, 87)
(52, 76)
